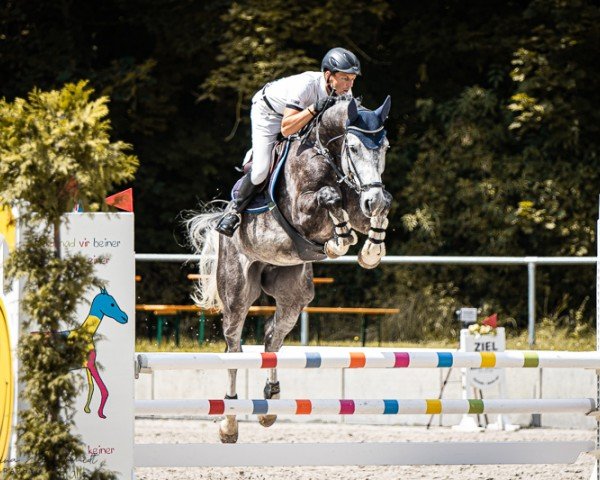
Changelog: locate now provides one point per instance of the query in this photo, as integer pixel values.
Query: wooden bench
(162, 311)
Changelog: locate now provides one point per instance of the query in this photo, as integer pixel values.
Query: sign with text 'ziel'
(483, 378)
(104, 410)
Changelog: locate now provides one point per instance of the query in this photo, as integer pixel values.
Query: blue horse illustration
(103, 305)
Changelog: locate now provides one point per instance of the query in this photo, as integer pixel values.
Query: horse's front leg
(343, 233)
(374, 248)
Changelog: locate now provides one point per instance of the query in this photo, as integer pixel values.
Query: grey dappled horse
(331, 187)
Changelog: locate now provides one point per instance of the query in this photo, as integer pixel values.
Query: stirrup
(228, 224)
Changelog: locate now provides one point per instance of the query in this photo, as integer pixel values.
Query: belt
(266, 100)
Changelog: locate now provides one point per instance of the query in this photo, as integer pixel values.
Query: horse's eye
(353, 149)
(112, 304)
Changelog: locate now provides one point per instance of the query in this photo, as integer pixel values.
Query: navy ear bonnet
(367, 125)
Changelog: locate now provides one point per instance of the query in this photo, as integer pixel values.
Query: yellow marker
(433, 407)
(488, 359)
(6, 385)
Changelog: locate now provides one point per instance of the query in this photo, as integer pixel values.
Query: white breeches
(266, 125)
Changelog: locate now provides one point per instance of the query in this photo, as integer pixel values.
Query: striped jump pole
(331, 358)
(364, 407)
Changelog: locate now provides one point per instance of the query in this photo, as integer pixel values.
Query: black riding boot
(231, 220)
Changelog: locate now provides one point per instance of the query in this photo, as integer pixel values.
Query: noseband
(349, 173)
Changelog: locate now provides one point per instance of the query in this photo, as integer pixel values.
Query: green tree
(55, 149)
(513, 171)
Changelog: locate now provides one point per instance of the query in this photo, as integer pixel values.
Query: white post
(107, 431)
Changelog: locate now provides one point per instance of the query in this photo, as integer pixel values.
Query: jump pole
(373, 358)
(363, 406)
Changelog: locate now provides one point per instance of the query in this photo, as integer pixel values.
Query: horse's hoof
(86, 409)
(329, 252)
(228, 431)
(368, 266)
(267, 420)
(228, 438)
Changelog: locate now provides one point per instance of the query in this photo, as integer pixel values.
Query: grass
(548, 337)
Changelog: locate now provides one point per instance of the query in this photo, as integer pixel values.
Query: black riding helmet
(340, 60)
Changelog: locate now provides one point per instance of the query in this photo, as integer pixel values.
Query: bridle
(348, 174)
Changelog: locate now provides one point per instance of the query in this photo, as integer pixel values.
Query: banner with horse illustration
(104, 410)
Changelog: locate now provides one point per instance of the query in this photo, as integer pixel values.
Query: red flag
(122, 200)
(492, 320)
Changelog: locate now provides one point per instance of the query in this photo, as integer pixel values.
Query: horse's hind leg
(228, 428)
(293, 289)
(343, 234)
(238, 294)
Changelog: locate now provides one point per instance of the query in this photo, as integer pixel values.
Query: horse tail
(205, 241)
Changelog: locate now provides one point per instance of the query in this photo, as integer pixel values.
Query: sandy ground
(193, 431)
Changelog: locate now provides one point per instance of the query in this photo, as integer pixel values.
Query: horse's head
(362, 150)
(105, 305)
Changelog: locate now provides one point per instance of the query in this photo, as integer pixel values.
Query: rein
(351, 177)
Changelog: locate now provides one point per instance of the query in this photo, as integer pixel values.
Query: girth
(308, 250)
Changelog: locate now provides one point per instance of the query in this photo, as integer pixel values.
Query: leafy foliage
(264, 40)
(55, 150)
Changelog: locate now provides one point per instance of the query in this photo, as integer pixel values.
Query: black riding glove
(324, 104)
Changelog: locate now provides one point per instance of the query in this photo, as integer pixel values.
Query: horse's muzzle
(374, 202)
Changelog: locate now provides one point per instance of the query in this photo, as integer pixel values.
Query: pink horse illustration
(102, 305)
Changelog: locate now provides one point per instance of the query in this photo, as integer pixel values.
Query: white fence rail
(531, 262)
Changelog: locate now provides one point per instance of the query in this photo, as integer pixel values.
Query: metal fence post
(531, 303)
(304, 328)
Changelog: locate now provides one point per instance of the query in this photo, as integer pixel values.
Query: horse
(330, 187)
(103, 305)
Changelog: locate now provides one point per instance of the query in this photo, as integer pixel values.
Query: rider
(286, 106)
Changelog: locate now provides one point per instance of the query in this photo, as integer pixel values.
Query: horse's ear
(352, 111)
(102, 290)
(383, 111)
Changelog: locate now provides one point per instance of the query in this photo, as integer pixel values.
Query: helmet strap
(330, 90)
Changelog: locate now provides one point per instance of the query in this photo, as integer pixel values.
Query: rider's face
(340, 82)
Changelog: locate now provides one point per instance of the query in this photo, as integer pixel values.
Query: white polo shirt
(297, 91)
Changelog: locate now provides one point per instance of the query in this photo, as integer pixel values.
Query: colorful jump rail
(363, 407)
(367, 359)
